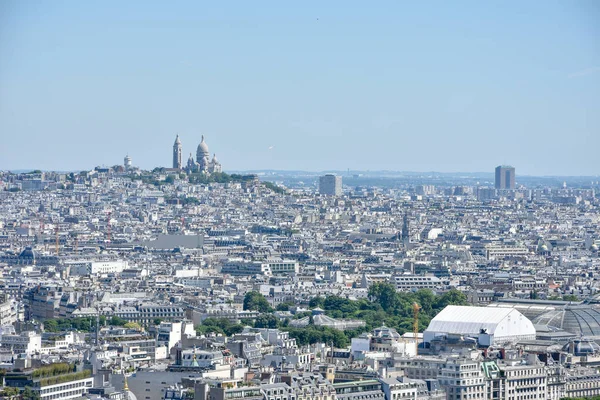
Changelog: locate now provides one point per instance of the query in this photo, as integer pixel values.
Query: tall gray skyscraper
(330, 185)
(177, 153)
(505, 177)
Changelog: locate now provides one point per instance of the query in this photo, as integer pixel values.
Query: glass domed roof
(581, 347)
(28, 253)
(582, 320)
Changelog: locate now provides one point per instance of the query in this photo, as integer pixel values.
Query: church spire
(177, 150)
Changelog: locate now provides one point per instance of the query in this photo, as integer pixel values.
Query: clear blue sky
(416, 86)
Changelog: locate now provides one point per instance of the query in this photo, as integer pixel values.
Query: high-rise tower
(330, 185)
(177, 153)
(505, 177)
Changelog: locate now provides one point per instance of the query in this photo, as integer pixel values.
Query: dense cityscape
(186, 282)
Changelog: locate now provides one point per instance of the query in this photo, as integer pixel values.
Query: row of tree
(385, 306)
(82, 324)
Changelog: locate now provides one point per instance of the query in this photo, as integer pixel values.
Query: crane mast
(416, 309)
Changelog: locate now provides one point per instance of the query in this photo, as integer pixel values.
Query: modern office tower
(177, 153)
(505, 177)
(330, 185)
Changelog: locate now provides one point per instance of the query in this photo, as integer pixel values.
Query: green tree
(133, 325)
(116, 321)
(426, 299)
(9, 392)
(385, 294)
(570, 297)
(51, 325)
(219, 325)
(315, 334)
(452, 297)
(285, 306)
(316, 302)
(29, 394)
(266, 321)
(254, 301)
(274, 187)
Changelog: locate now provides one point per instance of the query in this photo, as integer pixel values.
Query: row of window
(72, 393)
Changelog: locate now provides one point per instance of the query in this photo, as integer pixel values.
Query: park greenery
(201, 179)
(9, 392)
(254, 301)
(54, 374)
(65, 378)
(385, 306)
(82, 324)
(566, 297)
(30, 394)
(273, 187)
(221, 326)
(53, 370)
(133, 325)
(219, 177)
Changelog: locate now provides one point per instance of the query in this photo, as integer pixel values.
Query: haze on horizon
(443, 86)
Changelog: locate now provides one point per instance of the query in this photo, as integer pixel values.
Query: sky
(448, 86)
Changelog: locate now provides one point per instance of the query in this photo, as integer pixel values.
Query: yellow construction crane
(416, 309)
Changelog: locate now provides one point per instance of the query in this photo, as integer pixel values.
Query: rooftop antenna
(57, 247)
(108, 227)
(97, 326)
(42, 234)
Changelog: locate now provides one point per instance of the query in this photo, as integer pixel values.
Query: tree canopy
(385, 306)
(254, 301)
(83, 324)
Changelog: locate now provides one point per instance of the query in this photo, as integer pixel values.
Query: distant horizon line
(342, 172)
(325, 171)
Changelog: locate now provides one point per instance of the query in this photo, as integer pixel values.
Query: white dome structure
(202, 149)
(203, 162)
(203, 156)
(502, 325)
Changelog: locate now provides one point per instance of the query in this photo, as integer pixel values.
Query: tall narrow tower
(177, 153)
(405, 231)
